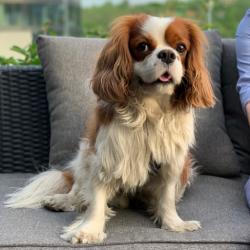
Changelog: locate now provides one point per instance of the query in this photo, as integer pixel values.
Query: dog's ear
(196, 88)
(114, 68)
(201, 92)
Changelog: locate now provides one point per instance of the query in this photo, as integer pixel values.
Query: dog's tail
(47, 183)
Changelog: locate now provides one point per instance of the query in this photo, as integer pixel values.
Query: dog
(149, 78)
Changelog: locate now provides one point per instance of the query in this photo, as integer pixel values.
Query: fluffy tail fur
(47, 183)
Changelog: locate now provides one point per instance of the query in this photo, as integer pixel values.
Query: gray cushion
(236, 121)
(214, 149)
(69, 62)
(153, 246)
(217, 202)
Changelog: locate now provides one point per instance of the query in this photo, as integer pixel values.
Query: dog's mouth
(165, 78)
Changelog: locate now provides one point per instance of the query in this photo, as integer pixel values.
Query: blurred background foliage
(94, 21)
(225, 14)
(27, 56)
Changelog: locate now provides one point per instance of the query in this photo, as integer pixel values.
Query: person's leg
(243, 59)
(243, 65)
(247, 191)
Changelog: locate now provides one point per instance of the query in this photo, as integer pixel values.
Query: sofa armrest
(24, 119)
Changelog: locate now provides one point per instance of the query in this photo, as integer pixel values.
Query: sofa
(42, 115)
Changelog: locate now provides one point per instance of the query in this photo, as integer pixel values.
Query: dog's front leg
(89, 227)
(166, 210)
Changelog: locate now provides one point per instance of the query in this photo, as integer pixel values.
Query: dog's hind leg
(72, 201)
(59, 202)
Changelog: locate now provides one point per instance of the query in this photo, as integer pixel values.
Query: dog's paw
(84, 236)
(57, 203)
(182, 226)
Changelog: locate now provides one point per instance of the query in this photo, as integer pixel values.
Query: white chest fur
(126, 145)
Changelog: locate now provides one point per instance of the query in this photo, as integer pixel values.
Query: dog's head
(164, 55)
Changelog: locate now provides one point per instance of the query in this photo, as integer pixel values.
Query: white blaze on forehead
(156, 27)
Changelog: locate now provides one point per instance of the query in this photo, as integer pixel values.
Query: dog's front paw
(84, 236)
(182, 226)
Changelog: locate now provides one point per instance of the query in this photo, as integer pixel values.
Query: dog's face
(159, 51)
(164, 55)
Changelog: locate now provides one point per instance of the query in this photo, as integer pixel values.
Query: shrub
(29, 56)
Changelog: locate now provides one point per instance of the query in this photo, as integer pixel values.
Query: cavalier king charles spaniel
(149, 78)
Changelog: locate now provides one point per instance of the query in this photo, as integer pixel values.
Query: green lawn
(226, 14)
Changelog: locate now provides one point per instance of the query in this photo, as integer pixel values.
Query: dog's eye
(180, 48)
(143, 47)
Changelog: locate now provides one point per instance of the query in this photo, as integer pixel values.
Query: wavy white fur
(117, 165)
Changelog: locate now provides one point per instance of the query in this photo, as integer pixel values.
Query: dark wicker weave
(24, 120)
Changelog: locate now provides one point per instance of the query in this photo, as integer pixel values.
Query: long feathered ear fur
(196, 89)
(114, 68)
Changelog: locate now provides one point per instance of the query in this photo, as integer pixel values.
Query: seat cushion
(68, 64)
(217, 202)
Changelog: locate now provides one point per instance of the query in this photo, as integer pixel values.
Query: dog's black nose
(167, 56)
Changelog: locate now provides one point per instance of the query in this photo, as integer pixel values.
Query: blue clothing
(243, 65)
(247, 192)
(243, 59)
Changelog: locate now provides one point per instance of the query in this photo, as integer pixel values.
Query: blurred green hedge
(28, 54)
(96, 21)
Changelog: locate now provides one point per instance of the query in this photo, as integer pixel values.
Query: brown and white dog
(149, 78)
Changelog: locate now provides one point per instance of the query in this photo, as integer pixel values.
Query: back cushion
(214, 150)
(68, 64)
(236, 121)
